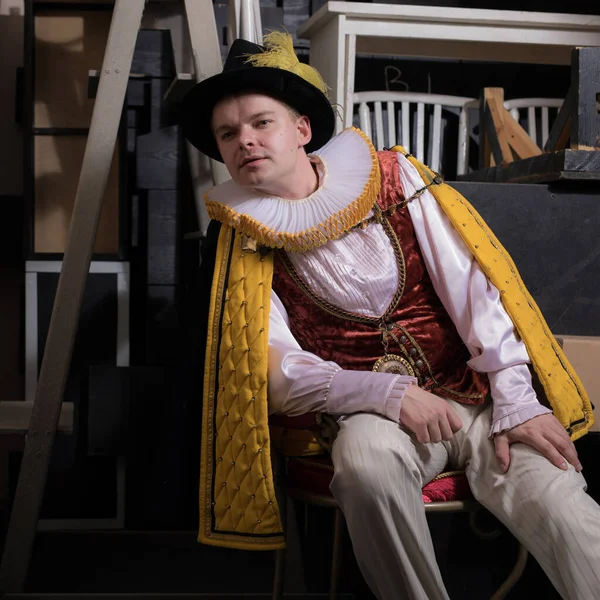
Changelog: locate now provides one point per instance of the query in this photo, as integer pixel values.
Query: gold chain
(391, 210)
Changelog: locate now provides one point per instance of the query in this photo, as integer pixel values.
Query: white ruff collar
(348, 191)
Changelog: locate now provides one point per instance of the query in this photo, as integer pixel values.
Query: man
(355, 283)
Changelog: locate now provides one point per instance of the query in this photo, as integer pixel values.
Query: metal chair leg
(336, 555)
(279, 577)
(513, 576)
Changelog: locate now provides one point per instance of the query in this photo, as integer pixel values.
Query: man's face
(260, 140)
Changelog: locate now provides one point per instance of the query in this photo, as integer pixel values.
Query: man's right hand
(429, 417)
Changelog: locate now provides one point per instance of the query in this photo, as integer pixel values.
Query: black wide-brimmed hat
(273, 70)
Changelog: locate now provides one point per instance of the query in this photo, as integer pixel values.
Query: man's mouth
(251, 160)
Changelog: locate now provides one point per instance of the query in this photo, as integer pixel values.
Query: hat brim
(197, 106)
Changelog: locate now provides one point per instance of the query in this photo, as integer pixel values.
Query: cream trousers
(380, 470)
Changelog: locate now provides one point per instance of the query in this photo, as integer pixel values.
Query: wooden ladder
(46, 410)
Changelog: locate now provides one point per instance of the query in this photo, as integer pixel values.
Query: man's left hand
(546, 435)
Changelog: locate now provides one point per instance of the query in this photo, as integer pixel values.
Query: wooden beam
(206, 52)
(574, 165)
(520, 142)
(16, 415)
(561, 128)
(493, 99)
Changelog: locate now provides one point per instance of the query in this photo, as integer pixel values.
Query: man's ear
(304, 130)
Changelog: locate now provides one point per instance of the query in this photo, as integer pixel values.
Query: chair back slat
(545, 125)
(531, 126)
(364, 117)
(463, 142)
(421, 131)
(379, 126)
(406, 126)
(436, 138)
(391, 119)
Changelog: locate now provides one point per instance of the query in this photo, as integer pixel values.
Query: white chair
(530, 108)
(375, 108)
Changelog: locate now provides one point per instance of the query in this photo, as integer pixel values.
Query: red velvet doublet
(424, 333)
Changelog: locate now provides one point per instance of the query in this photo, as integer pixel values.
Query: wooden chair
(411, 126)
(307, 480)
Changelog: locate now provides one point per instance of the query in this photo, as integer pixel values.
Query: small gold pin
(249, 244)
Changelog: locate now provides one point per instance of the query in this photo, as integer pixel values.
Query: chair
(307, 479)
(535, 106)
(375, 108)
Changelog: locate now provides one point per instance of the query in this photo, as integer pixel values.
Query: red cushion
(313, 474)
(447, 487)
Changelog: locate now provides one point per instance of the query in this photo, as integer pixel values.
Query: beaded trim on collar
(344, 198)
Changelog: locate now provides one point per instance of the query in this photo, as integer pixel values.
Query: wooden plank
(565, 136)
(295, 12)
(179, 87)
(206, 51)
(494, 99)
(162, 325)
(522, 145)
(159, 117)
(158, 159)
(138, 92)
(12, 282)
(162, 237)
(565, 164)
(108, 410)
(8, 443)
(585, 118)
(561, 128)
(94, 80)
(153, 54)
(491, 146)
(104, 127)
(15, 417)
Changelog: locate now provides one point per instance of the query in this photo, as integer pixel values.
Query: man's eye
(226, 136)
(264, 122)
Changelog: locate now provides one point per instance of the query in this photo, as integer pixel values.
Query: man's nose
(246, 139)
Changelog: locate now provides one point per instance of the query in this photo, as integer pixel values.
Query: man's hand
(546, 435)
(429, 417)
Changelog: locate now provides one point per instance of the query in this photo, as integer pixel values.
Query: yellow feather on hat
(279, 54)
